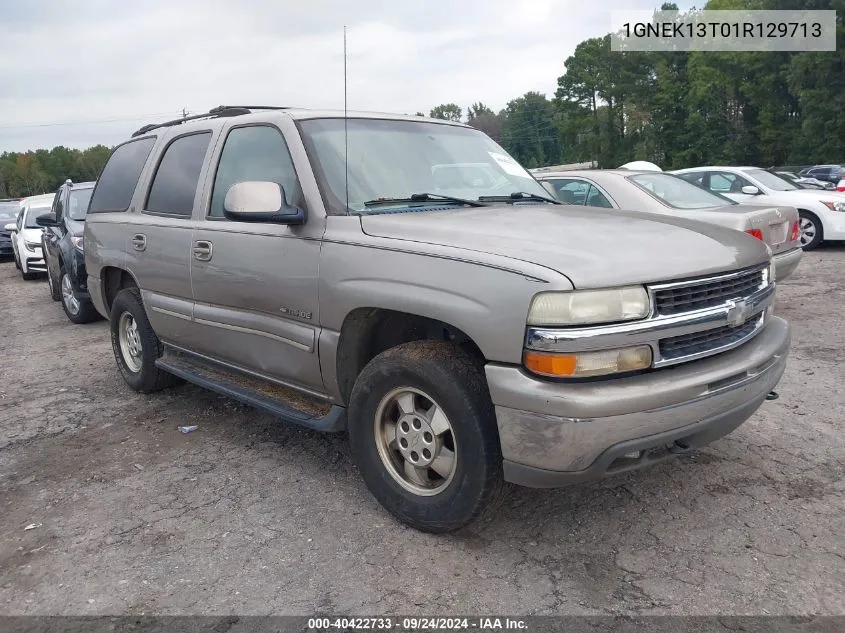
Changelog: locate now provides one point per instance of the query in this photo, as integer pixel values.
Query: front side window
(678, 193)
(77, 203)
(391, 160)
(120, 176)
(59, 205)
(253, 153)
(175, 183)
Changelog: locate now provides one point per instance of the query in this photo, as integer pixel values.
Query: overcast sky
(102, 68)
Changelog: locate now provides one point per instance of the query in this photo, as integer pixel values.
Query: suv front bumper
(554, 434)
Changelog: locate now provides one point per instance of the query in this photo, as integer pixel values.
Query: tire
(52, 286)
(139, 372)
(440, 374)
(78, 310)
(17, 261)
(810, 222)
(28, 276)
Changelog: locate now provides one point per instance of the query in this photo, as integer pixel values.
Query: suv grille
(708, 341)
(707, 294)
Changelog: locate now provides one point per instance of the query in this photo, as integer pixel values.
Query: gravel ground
(250, 516)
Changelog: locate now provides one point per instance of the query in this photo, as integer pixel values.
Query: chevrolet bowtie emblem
(736, 315)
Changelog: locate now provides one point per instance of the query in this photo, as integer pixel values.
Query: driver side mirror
(11, 227)
(550, 188)
(260, 201)
(48, 219)
(750, 190)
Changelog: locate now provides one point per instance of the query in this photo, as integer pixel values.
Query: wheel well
(114, 280)
(366, 332)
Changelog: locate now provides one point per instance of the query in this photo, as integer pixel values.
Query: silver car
(665, 194)
(405, 280)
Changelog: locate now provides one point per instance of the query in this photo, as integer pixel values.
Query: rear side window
(175, 183)
(120, 176)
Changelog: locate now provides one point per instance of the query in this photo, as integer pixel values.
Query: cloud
(102, 63)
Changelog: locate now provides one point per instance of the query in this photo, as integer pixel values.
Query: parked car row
(405, 280)
(666, 194)
(46, 236)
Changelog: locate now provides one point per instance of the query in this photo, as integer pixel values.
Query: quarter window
(595, 198)
(120, 176)
(570, 191)
(175, 183)
(253, 153)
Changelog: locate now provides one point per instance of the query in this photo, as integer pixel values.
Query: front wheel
(422, 430)
(77, 310)
(811, 230)
(136, 346)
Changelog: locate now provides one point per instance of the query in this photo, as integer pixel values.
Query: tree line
(42, 171)
(681, 109)
(676, 109)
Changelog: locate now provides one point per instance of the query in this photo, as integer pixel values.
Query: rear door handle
(139, 242)
(202, 250)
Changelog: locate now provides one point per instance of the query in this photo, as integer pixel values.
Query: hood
(593, 247)
(75, 227)
(32, 235)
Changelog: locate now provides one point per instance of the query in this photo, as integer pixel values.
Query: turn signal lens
(586, 364)
(794, 231)
(755, 233)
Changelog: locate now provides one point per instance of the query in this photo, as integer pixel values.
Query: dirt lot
(250, 516)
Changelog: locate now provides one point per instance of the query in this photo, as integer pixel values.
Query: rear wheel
(77, 310)
(811, 230)
(136, 346)
(423, 433)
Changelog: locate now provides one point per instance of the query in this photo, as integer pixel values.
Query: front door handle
(202, 250)
(139, 242)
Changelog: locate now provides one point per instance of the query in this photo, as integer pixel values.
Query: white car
(822, 212)
(26, 235)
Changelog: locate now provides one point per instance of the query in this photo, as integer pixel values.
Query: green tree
(529, 132)
(447, 111)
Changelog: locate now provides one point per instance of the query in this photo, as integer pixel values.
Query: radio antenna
(345, 127)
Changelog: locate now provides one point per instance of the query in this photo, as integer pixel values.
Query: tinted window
(8, 212)
(78, 203)
(253, 153)
(120, 176)
(177, 176)
(696, 178)
(33, 214)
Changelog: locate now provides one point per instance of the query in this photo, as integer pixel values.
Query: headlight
(77, 242)
(834, 206)
(586, 364)
(32, 245)
(582, 307)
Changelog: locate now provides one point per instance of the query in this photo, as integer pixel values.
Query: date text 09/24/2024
(417, 624)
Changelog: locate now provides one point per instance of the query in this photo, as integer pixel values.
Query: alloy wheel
(415, 441)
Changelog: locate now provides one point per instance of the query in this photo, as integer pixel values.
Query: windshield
(772, 180)
(394, 159)
(78, 206)
(677, 192)
(32, 214)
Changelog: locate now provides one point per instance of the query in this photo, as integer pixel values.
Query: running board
(279, 401)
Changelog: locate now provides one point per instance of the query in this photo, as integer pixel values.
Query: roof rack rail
(219, 111)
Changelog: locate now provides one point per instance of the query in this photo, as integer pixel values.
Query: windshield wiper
(426, 197)
(517, 196)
